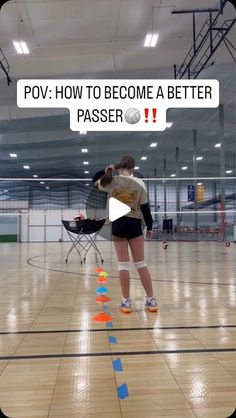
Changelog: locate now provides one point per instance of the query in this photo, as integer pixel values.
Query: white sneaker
(151, 305)
(125, 306)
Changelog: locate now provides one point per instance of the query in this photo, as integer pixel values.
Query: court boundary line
(61, 331)
(119, 353)
(29, 262)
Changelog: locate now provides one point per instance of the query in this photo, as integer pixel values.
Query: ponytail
(107, 178)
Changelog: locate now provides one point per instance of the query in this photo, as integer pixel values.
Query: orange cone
(103, 299)
(102, 317)
(101, 280)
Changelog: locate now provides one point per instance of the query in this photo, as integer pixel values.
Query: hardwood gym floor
(55, 362)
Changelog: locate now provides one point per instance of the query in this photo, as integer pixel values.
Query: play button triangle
(117, 209)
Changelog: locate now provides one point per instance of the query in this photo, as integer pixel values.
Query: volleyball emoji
(132, 115)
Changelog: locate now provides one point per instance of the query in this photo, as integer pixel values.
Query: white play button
(117, 209)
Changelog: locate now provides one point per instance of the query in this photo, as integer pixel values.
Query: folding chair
(83, 236)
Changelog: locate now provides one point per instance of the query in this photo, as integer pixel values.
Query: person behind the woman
(127, 231)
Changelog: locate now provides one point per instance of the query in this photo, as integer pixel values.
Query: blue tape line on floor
(122, 391)
(109, 324)
(112, 340)
(117, 365)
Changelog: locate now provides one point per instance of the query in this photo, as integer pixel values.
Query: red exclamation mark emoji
(146, 115)
(154, 114)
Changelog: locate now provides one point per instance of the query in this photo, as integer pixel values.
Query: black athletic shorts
(127, 227)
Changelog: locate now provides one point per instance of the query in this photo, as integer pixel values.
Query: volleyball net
(182, 208)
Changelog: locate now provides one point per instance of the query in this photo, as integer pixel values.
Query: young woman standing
(126, 231)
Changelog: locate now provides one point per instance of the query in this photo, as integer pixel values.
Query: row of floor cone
(102, 298)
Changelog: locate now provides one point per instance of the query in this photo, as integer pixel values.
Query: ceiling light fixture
(144, 158)
(84, 150)
(35, 176)
(184, 167)
(151, 40)
(169, 124)
(218, 145)
(199, 158)
(86, 172)
(153, 144)
(12, 155)
(136, 167)
(85, 163)
(42, 182)
(173, 175)
(26, 167)
(229, 171)
(21, 47)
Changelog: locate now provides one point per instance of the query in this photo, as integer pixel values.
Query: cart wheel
(84, 259)
(102, 261)
(81, 262)
(66, 260)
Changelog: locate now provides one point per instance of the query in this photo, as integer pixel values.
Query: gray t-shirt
(129, 190)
